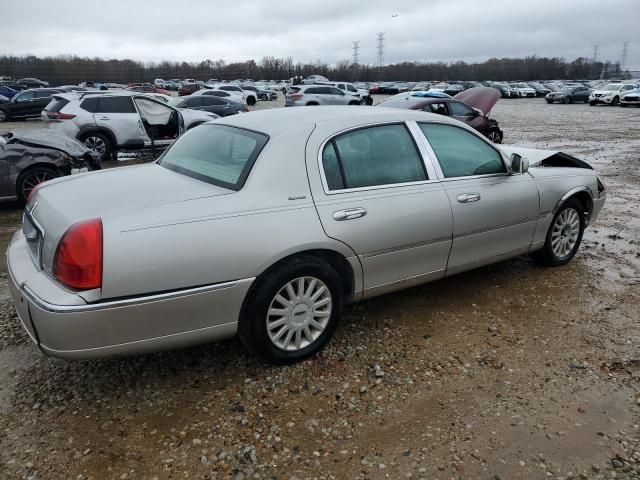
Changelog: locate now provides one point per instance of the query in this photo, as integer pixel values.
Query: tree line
(63, 70)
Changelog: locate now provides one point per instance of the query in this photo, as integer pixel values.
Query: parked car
(97, 279)
(27, 103)
(523, 90)
(312, 79)
(632, 97)
(610, 93)
(398, 87)
(188, 88)
(210, 103)
(12, 85)
(32, 83)
(238, 97)
(250, 96)
(160, 83)
(569, 95)
(112, 121)
(4, 99)
(149, 89)
(30, 158)
(7, 92)
(540, 89)
(312, 95)
(351, 89)
(261, 93)
(471, 107)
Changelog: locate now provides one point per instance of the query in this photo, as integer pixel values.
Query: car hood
(482, 98)
(605, 92)
(545, 158)
(632, 92)
(50, 139)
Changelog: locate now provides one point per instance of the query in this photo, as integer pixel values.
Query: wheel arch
(582, 195)
(95, 129)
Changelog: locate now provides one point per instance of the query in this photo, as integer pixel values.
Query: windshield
(216, 154)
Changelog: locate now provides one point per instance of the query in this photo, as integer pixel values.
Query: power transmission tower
(596, 51)
(380, 36)
(623, 57)
(356, 52)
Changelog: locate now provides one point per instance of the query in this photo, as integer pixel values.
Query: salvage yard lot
(509, 371)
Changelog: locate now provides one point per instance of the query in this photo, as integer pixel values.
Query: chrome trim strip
(49, 307)
(407, 247)
(496, 227)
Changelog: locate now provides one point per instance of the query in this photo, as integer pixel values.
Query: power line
(380, 36)
(623, 57)
(356, 52)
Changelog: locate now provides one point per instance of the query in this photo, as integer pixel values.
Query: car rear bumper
(63, 324)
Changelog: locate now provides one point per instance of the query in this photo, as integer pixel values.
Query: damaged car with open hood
(32, 157)
(266, 225)
(471, 106)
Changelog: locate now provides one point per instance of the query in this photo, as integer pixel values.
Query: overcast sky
(427, 30)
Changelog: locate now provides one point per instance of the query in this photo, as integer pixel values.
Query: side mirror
(519, 164)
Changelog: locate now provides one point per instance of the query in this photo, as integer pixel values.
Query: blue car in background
(7, 92)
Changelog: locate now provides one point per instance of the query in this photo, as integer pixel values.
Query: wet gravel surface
(510, 371)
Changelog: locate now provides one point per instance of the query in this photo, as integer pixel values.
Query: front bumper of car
(630, 100)
(62, 324)
(607, 99)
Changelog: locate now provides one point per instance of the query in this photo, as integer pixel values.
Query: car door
(374, 192)
(466, 114)
(119, 115)
(494, 213)
(21, 104)
(335, 96)
(215, 105)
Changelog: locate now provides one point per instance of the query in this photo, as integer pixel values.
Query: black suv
(28, 103)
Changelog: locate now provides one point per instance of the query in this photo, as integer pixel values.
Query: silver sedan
(265, 225)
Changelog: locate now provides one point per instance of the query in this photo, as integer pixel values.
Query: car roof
(276, 121)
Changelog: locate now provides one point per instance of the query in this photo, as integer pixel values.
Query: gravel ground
(510, 371)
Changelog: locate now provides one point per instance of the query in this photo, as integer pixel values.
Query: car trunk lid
(482, 98)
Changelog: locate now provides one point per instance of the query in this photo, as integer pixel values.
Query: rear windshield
(216, 154)
(402, 102)
(294, 90)
(56, 104)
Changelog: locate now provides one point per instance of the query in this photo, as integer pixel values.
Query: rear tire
(29, 178)
(549, 101)
(280, 321)
(592, 103)
(564, 236)
(100, 143)
(354, 103)
(312, 104)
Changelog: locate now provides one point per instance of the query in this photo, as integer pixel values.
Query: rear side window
(193, 102)
(115, 105)
(216, 154)
(294, 90)
(209, 100)
(460, 109)
(381, 155)
(56, 104)
(461, 153)
(90, 104)
(217, 93)
(313, 91)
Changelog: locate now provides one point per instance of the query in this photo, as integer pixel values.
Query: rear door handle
(105, 118)
(468, 197)
(349, 214)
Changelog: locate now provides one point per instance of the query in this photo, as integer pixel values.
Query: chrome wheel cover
(566, 230)
(299, 313)
(34, 180)
(96, 144)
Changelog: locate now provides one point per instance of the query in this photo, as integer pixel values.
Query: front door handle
(105, 118)
(468, 197)
(349, 214)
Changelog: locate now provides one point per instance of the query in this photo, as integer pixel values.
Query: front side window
(351, 88)
(440, 108)
(24, 97)
(381, 155)
(216, 154)
(461, 153)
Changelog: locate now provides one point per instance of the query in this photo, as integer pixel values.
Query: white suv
(351, 89)
(112, 121)
(610, 93)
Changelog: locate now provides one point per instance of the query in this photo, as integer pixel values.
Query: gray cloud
(193, 30)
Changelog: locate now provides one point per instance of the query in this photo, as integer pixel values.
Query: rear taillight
(296, 96)
(245, 108)
(59, 116)
(78, 259)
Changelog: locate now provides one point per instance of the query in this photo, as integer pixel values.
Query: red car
(147, 88)
(188, 89)
(471, 106)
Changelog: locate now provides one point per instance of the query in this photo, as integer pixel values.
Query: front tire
(592, 103)
(564, 236)
(616, 101)
(292, 311)
(251, 101)
(567, 100)
(4, 116)
(495, 135)
(30, 178)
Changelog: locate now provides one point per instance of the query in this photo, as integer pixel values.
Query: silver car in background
(313, 95)
(267, 224)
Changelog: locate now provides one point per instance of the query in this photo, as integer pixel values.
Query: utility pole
(356, 52)
(380, 36)
(596, 51)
